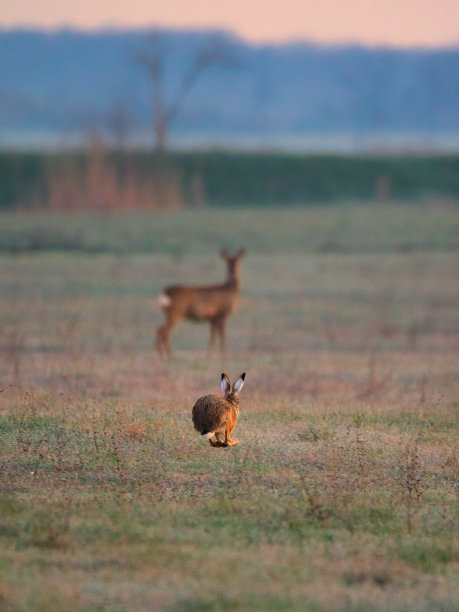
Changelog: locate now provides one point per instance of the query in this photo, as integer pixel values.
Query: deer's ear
(225, 383)
(224, 254)
(239, 383)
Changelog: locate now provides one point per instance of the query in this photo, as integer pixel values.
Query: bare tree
(118, 124)
(153, 59)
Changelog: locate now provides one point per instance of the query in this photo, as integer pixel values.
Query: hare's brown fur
(213, 415)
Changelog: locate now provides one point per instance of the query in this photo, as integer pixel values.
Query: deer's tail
(164, 300)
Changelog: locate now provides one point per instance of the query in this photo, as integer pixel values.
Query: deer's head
(232, 262)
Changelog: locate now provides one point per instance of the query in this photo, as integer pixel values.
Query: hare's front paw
(233, 442)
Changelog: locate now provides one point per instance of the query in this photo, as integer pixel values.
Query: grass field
(341, 495)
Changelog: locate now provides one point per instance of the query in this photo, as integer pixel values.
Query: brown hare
(217, 416)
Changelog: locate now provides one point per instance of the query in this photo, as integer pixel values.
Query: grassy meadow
(342, 492)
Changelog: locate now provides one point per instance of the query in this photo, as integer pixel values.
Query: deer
(208, 303)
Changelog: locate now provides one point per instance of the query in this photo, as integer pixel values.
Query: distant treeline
(104, 180)
(79, 80)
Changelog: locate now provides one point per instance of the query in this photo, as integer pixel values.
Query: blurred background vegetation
(105, 180)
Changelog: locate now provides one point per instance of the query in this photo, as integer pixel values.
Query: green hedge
(232, 179)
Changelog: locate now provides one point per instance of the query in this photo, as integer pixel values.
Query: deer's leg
(213, 335)
(166, 343)
(222, 334)
(160, 340)
(162, 335)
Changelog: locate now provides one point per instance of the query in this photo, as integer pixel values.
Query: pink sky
(388, 22)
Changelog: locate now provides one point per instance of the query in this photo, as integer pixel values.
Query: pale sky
(375, 22)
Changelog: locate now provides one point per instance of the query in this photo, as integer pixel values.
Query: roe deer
(217, 416)
(212, 303)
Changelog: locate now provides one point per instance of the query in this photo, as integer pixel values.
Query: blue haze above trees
(63, 84)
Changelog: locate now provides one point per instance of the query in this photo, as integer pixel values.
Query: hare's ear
(240, 253)
(239, 383)
(226, 385)
(224, 254)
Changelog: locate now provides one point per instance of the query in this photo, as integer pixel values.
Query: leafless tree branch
(153, 61)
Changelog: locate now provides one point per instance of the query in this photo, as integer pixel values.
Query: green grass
(341, 493)
(342, 230)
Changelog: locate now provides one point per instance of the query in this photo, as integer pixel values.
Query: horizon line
(288, 41)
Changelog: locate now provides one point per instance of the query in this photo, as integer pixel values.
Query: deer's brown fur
(217, 416)
(209, 303)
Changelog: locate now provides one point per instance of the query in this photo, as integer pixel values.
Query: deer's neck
(233, 282)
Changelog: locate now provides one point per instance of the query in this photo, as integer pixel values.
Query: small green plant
(411, 482)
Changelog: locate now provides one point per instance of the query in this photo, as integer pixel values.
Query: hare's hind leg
(218, 442)
(219, 436)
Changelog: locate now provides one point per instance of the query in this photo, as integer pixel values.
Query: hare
(213, 415)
